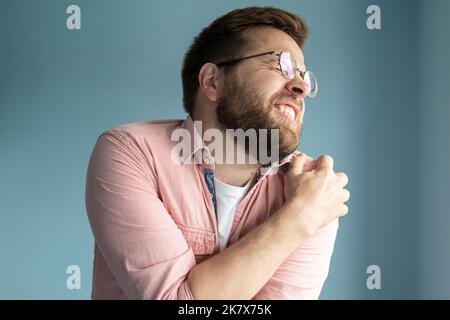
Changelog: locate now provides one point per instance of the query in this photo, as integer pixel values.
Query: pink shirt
(153, 220)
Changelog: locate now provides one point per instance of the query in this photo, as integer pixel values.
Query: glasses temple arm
(244, 58)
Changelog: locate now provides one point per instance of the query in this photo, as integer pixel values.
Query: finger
(344, 210)
(342, 178)
(298, 163)
(345, 195)
(325, 162)
(310, 165)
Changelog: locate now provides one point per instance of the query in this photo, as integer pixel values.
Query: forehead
(267, 38)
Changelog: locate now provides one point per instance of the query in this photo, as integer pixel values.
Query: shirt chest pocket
(202, 242)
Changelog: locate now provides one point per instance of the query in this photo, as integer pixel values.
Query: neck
(230, 173)
(236, 174)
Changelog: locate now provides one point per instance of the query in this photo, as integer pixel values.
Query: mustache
(288, 97)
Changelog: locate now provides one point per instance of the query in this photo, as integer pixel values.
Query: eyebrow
(274, 58)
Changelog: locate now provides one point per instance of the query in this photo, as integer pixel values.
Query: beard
(243, 107)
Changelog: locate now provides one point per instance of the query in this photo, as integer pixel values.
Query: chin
(289, 142)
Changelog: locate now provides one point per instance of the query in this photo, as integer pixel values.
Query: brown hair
(224, 39)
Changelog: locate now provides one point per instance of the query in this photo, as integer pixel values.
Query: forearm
(241, 270)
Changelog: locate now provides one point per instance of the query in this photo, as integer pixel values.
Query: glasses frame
(301, 73)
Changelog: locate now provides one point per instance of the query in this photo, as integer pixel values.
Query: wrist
(294, 220)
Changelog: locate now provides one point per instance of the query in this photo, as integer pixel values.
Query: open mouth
(286, 111)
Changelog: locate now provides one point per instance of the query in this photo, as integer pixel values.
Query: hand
(316, 197)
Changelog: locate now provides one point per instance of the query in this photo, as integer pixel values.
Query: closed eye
(271, 66)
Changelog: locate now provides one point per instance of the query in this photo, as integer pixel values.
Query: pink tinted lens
(311, 80)
(287, 65)
(307, 79)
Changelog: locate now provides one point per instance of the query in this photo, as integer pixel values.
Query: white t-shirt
(227, 199)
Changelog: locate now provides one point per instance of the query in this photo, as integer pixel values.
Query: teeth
(287, 111)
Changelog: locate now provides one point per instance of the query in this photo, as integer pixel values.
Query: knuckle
(302, 158)
(344, 209)
(327, 161)
(346, 195)
(327, 157)
(323, 172)
(342, 177)
(296, 160)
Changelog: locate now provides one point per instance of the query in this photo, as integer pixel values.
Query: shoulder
(145, 129)
(143, 140)
(143, 134)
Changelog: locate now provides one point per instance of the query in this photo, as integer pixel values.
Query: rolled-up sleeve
(303, 273)
(137, 237)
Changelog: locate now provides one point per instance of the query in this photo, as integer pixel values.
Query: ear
(210, 81)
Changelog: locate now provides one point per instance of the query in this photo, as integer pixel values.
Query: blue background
(382, 112)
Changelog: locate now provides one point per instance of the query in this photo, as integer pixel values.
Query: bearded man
(199, 227)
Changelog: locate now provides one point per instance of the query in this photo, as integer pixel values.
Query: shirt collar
(200, 152)
(198, 149)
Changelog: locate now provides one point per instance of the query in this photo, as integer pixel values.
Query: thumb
(325, 162)
(297, 164)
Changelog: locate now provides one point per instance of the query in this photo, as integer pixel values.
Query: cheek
(276, 92)
(270, 89)
(273, 85)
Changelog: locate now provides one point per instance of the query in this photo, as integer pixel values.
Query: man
(200, 228)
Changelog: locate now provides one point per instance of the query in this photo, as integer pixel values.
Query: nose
(298, 87)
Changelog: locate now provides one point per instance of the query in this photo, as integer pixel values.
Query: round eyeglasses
(287, 65)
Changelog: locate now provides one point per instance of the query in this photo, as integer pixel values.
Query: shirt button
(211, 195)
(207, 161)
